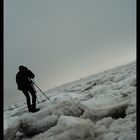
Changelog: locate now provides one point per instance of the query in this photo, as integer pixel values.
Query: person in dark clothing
(24, 83)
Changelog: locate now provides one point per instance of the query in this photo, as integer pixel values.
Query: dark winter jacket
(23, 79)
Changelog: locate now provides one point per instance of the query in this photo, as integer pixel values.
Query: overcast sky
(64, 40)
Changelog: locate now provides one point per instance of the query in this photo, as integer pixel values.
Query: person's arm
(31, 74)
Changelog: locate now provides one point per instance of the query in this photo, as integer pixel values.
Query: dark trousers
(30, 91)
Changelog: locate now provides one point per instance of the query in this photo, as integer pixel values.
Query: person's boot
(35, 110)
(30, 108)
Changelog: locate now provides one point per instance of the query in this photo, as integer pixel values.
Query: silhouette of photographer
(24, 83)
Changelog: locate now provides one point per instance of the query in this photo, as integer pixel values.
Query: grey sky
(64, 40)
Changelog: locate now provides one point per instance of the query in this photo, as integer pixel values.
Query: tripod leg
(41, 91)
(37, 99)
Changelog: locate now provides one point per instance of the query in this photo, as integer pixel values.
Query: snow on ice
(99, 107)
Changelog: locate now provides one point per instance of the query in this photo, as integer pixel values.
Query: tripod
(40, 90)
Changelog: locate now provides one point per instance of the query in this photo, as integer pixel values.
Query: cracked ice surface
(99, 107)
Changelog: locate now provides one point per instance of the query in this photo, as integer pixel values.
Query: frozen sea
(97, 107)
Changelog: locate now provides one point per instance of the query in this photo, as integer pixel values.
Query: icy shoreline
(100, 107)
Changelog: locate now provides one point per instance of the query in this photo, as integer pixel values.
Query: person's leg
(32, 92)
(27, 99)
